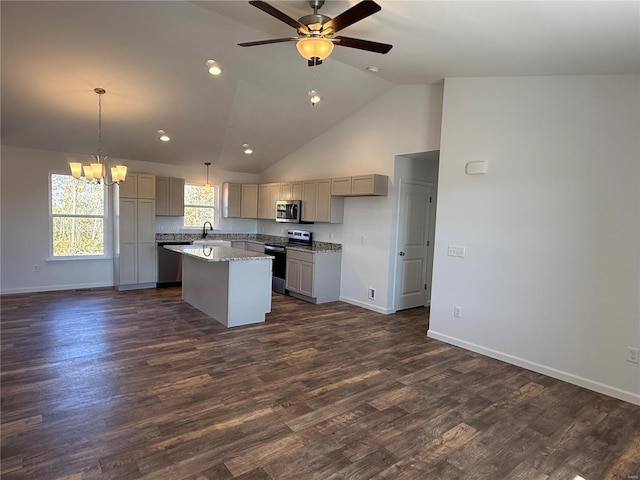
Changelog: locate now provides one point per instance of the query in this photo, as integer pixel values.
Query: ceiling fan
(316, 31)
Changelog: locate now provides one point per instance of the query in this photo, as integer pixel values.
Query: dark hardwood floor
(124, 385)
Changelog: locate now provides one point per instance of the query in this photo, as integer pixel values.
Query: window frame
(215, 207)
(105, 227)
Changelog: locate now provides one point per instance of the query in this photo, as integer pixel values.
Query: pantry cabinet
(134, 231)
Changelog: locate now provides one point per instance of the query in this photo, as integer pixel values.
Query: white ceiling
(150, 57)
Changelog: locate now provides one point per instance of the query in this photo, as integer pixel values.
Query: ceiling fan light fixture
(315, 47)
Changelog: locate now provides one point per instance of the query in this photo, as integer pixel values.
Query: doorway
(416, 176)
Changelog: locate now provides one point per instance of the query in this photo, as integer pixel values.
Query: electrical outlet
(454, 251)
(632, 354)
(363, 239)
(371, 294)
(457, 311)
(36, 268)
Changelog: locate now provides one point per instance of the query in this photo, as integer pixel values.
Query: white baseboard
(54, 288)
(368, 306)
(536, 367)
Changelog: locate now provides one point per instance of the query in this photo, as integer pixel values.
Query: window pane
(196, 216)
(78, 236)
(72, 197)
(195, 195)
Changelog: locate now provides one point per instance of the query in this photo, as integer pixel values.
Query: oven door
(279, 267)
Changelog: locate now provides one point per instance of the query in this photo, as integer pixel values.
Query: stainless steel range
(278, 250)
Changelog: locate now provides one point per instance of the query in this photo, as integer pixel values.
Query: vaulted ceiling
(150, 56)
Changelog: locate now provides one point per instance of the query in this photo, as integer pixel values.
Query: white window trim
(105, 230)
(216, 210)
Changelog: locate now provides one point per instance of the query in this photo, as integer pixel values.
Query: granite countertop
(317, 247)
(216, 253)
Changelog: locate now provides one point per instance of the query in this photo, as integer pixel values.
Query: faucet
(204, 229)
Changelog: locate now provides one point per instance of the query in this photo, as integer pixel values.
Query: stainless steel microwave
(289, 211)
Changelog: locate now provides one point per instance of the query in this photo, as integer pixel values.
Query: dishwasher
(169, 265)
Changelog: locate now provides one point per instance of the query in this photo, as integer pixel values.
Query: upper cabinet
(170, 196)
(318, 205)
(360, 186)
(138, 185)
(240, 200)
(268, 194)
(291, 191)
(231, 200)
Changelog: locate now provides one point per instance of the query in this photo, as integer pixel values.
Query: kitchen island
(233, 286)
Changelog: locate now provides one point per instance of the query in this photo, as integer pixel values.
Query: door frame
(430, 234)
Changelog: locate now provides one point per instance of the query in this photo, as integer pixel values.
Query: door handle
(402, 254)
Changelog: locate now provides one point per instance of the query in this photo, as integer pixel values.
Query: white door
(412, 289)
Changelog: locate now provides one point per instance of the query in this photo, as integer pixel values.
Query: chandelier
(96, 171)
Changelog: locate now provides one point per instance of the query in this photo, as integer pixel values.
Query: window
(199, 206)
(77, 217)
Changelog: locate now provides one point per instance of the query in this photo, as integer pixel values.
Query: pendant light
(207, 186)
(95, 172)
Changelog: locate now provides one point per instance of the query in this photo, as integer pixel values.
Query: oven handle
(271, 248)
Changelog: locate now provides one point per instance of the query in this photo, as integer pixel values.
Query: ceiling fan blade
(351, 16)
(265, 42)
(363, 44)
(283, 17)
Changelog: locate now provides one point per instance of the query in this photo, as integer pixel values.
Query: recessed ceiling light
(314, 97)
(163, 136)
(214, 68)
(372, 69)
(247, 149)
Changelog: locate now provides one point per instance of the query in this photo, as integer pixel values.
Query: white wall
(404, 120)
(550, 280)
(24, 224)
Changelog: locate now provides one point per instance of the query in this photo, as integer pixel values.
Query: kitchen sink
(212, 243)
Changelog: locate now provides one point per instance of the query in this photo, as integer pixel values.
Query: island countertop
(217, 253)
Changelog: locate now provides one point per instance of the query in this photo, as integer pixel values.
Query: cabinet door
(323, 201)
(129, 188)
(249, 208)
(231, 200)
(296, 191)
(146, 241)
(264, 198)
(162, 196)
(292, 276)
(309, 196)
(306, 279)
(176, 197)
(341, 186)
(146, 186)
(128, 242)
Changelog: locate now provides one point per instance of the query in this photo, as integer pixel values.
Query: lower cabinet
(313, 276)
(254, 247)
